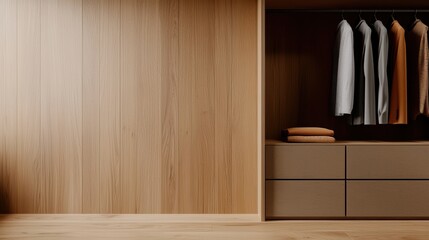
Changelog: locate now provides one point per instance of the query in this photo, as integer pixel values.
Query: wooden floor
(117, 228)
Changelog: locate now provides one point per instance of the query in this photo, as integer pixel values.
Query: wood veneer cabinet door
(288, 199)
(388, 162)
(387, 198)
(129, 106)
(305, 162)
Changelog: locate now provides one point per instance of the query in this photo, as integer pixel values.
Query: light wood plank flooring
(16, 227)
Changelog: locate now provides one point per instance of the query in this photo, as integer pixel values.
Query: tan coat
(398, 100)
(417, 57)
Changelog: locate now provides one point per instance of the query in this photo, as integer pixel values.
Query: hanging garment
(364, 110)
(381, 50)
(398, 96)
(417, 59)
(344, 70)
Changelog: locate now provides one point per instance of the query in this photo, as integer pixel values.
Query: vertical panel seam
(99, 103)
(16, 103)
(82, 92)
(40, 93)
(120, 99)
(230, 104)
(177, 66)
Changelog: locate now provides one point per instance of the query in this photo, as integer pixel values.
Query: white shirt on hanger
(364, 110)
(344, 70)
(383, 90)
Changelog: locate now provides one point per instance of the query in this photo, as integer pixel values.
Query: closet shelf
(271, 142)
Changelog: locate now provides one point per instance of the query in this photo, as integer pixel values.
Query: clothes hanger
(375, 15)
(342, 14)
(393, 12)
(416, 20)
(360, 19)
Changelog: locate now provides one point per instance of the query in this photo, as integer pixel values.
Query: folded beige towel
(308, 131)
(310, 139)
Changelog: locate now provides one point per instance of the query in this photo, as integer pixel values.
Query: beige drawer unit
(379, 198)
(388, 162)
(294, 199)
(305, 162)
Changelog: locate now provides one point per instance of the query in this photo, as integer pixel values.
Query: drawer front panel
(290, 199)
(388, 162)
(388, 198)
(305, 162)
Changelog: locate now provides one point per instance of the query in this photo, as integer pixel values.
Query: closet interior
(371, 171)
(299, 73)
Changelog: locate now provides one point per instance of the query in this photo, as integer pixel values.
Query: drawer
(289, 199)
(305, 162)
(388, 198)
(388, 162)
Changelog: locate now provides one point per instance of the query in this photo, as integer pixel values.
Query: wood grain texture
(169, 13)
(130, 99)
(129, 106)
(191, 188)
(8, 106)
(91, 107)
(261, 109)
(203, 107)
(61, 94)
(244, 106)
(223, 103)
(110, 105)
(149, 158)
(118, 227)
(141, 107)
(32, 178)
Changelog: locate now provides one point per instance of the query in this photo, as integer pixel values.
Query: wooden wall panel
(141, 106)
(8, 106)
(244, 106)
(169, 14)
(91, 107)
(223, 103)
(203, 109)
(110, 105)
(129, 106)
(32, 176)
(191, 188)
(61, 92)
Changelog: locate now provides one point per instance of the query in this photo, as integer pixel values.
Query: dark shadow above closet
(345, 4)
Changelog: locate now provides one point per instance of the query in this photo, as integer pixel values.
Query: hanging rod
(353, 10)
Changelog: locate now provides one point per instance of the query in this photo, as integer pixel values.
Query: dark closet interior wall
(299, 56)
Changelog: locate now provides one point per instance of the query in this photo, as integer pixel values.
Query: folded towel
(310, 139)
(308, 131)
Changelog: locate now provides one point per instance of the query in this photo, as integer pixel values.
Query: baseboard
(149, 218)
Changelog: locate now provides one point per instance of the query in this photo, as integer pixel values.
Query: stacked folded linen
(308, 135)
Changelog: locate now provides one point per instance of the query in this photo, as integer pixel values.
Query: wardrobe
(377, 171)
